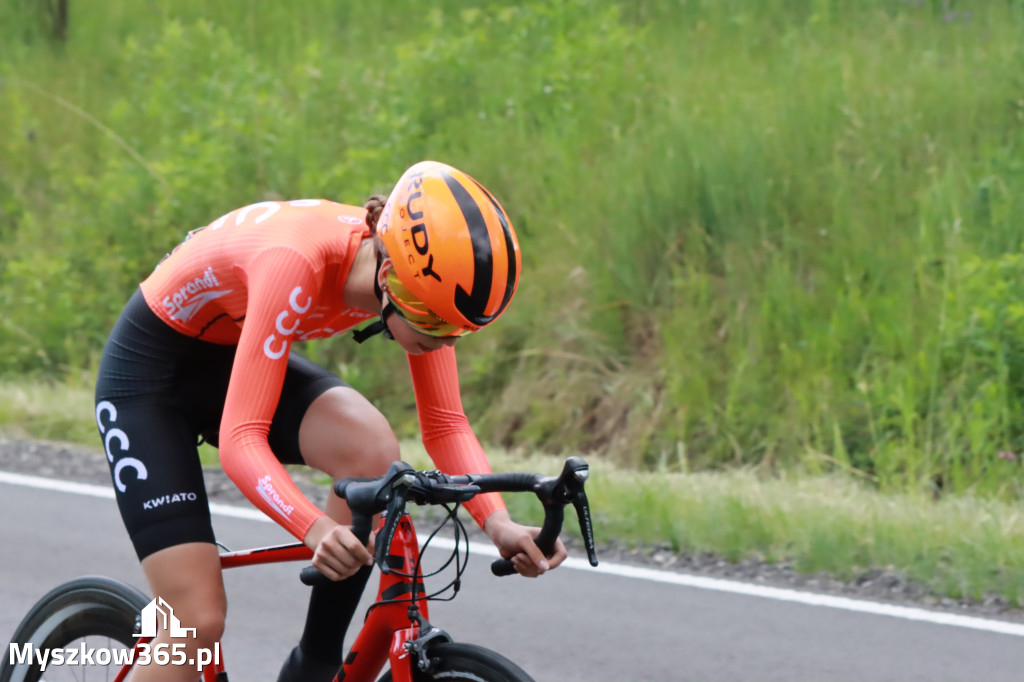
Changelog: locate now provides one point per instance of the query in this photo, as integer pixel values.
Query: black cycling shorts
(159, 392)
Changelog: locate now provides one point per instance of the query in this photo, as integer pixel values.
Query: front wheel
(86, 613)
(457, 662)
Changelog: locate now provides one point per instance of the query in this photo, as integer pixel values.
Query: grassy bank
(775, 234)
(772, 249)
(964, 547)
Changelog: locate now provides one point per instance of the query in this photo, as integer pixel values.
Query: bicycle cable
(459, 555)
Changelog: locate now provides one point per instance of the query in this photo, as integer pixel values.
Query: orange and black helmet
(454, 255)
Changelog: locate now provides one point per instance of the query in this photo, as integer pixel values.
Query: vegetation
(961, 546)
(778, 237)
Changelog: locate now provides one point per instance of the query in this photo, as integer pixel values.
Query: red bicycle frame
(388, 625)
(397, 627)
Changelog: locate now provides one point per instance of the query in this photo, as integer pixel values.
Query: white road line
(620, 570)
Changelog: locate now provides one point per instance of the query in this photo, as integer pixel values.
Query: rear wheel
(95, 613)
(457, 662)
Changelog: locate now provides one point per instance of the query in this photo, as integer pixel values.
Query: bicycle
(396, 629)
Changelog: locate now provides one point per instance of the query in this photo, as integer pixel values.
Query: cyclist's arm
(449, 440)
(281, 284)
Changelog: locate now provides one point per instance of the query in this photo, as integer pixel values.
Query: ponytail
(374, 206)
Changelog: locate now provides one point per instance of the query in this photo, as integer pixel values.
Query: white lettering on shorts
(169, 499)
(105, 406)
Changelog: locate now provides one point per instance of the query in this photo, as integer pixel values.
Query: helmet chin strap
(379, 326)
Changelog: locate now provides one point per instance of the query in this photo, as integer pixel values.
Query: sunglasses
(415, 314)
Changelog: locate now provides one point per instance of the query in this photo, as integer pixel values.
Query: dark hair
(374, 205)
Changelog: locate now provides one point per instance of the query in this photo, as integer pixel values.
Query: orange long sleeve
(280, 284)
(446, 433)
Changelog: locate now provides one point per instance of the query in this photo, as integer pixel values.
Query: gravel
(88, 465)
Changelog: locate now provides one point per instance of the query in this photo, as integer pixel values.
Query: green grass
(775, 234)
(773, 237)
(963, 548)
(48, 411)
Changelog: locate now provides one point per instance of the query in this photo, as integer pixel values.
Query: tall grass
(771, 234)
(809, 254)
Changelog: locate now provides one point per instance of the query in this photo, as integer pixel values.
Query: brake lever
(575, 475)
(393, 513)
(579, 501)
(554, 494)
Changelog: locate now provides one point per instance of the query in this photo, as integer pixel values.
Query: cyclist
(203, 350)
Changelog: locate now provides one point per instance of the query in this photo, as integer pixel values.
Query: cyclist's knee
(343, 434)
(203, 622)
(187, 579)
(209, 625)
(378, 456)
(373, 458)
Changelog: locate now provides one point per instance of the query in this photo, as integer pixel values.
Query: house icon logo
(150, 620)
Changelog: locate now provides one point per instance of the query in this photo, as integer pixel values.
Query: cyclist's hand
(515, 542)
(337, 553)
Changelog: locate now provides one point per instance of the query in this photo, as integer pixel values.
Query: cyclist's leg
(331, 427)
(163, 502)
(188, 578)
(149, 436)
(164, 506)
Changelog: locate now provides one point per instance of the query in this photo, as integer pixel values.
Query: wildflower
(1007, 455)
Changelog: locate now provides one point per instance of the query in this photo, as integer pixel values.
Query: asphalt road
(567, 626)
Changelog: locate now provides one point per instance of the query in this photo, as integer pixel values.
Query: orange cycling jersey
(262, 277)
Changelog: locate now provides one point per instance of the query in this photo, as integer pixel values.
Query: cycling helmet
(454, 255)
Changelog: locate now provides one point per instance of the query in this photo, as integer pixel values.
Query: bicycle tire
(83, 607)
(458, 662)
